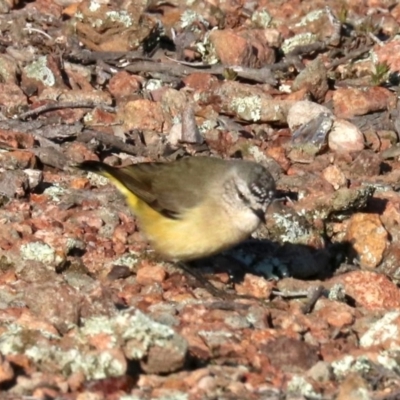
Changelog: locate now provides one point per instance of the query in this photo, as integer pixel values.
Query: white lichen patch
(173, 395)
(215, 336)
(384, 329)
(153, 84)
(88, 118)
(79, 16)
(189, 17)
(310, 17)
(38, 251)
(124, 328)
(129, 260)
(130, 397)
(207, 49)
(92, 365)
(337, 292)
(16, 339)
(302, 39)
(97, 180)
(390, 359)
(10, 341)
(207, 126)
(120, 16)
(362, 365)
(94, 6)
(40, 71)
(258, 155)
(300, 385)
(138, 327)
(291, 229)
(248, 107)
(261, 18)
(55, 192)
(341, 368)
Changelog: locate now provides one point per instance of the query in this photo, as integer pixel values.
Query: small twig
(294, 294)
(30, 29)
(334, 40)
(315, 295)
(220, 293)
(58, 106)
(109, 140)
(87, 56)
(375, 39)
(307, 49)
(262, 75)
(190, 64)
(294, 57)
(350, 56)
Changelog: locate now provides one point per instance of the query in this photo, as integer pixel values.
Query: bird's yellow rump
(193, 207)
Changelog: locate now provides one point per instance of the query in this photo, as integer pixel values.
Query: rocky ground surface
(306, 88)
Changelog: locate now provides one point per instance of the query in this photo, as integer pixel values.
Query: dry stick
(350, 56)
(262, 75)
(144, 64)
(87, 56)
(58, 106)
(86, 135)
(316, 294)
(307, 49)
(110, 140)
(220, 293)
(293, 58)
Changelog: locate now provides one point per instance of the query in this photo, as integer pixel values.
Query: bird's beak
(260, 214)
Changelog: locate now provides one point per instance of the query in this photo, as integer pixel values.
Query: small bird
(193, 207)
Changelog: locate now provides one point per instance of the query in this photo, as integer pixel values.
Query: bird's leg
(205, 283)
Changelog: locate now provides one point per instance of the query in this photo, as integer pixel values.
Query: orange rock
(17, 160)
(6, 371)
(124, 85)
(142, 114)
(17, 139)
(231, 48)
(354, 387)
(349, 102)
(149, 274)
(78, 152)
(371, 290)
(11, 95)
(279, 155)
(334, 175)
(256, 286)
(368, 237)
(80, 183)
(201, 82)
(337, 314)
(388, 54)
(7, 277)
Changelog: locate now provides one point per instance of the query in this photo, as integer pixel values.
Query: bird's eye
(241, 197)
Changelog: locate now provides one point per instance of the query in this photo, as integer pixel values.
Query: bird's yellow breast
(194, 235)
(198, 232)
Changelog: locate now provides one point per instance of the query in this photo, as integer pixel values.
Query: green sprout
(380, 74)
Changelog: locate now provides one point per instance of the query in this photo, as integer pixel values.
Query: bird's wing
(169, 188)
(176, 186)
